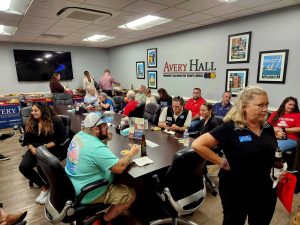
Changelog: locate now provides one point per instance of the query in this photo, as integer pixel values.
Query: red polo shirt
(131, 105)
(194, 105)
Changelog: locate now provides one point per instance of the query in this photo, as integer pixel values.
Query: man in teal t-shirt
(89, 160)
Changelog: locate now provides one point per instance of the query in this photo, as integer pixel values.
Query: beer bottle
(285, 134)
(278, 159)
(143, 146)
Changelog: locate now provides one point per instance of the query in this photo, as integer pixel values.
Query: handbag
(285, 190)
(96, 84)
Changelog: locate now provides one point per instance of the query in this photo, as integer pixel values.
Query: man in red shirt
(193, 104)
(131, 105)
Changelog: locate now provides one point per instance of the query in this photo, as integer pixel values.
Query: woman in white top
(87, 81)
(150, 98)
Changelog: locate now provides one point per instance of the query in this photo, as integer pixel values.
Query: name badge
(246, 138)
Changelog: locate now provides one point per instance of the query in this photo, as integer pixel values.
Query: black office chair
(138, 111)
(25, 114)
(62, 99)
(119, 103)
(62, 204)
(151, 112)
(69, 135)
(183, 189)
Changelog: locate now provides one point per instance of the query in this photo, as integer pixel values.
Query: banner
(9, 116)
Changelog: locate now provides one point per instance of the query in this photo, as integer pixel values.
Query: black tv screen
(33, 65)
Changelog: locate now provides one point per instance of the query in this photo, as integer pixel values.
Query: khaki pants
(116, 194)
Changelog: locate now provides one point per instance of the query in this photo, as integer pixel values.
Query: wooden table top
(162, 155)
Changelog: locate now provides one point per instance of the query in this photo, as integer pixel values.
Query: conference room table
(162, 155)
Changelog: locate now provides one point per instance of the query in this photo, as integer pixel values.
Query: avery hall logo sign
(195, 68)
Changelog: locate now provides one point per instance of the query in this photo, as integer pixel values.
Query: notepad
(151, 144)
(143, 161)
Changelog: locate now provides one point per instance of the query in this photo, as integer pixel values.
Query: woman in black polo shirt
(249, 145)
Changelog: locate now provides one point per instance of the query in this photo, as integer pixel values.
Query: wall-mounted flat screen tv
(33, 65)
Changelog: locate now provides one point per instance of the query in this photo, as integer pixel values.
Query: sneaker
(42, 195)
(43, 200)
(5, 136)
(3, 157)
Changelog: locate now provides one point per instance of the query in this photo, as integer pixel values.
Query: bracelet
(224, 163)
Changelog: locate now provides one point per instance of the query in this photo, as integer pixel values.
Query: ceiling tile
(195, 18)
(5, 37)
(38, 20)
(175, 23)
(33, 11)
(277, 5)
(144, 7)
(199, 5)
(9, 23)
(62, 28)
(10, 17)
(173, 13)
(223, 9)
(213, 20)
(253, 3)
(167, 2)
(70, 23)
(242, 13)
(113, 4)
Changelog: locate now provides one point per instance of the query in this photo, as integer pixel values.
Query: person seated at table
(89, 160)
(87, 81)
(150, 98)
(175, 118)
(131, 103)
(165, 100)
(141, 96)
(91, 97)
(208, 121)
(287, 118)
(105, 102)
(194, 104)
(43, 127)
(221, 108)
(11, 219)
(55, 85)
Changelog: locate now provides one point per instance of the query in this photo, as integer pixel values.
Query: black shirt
(250, 157)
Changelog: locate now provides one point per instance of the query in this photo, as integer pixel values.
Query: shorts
(116, 194)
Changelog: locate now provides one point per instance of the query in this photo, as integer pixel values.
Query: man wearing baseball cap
(89, 160)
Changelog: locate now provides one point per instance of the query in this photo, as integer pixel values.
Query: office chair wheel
(30, 184)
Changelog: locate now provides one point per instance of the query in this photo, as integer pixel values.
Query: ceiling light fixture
(48, 56)
(228, 1)
(145, 22)
(4, 5)
(98, 38)
(1, 29)
(7, 30)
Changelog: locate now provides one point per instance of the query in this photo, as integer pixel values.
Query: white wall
(270, 31)
(94, 60)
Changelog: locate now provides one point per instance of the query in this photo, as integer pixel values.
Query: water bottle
(186, 139)
(111, 108)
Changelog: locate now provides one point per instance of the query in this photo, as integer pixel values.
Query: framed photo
(140, 70)
(152, 79)
(152, 57)
(236, 80)
(272, 66)
(239, 47)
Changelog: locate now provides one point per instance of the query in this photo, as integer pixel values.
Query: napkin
(143, 161)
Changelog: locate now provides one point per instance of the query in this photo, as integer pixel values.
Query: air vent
(53, 36)
(83, 14)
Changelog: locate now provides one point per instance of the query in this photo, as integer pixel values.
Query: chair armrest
(88, 188)
(64, 143)
(21, 139)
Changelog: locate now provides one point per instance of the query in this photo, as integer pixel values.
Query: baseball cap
(95, 119)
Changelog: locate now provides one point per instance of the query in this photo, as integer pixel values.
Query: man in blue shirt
(221, 108)
(89, 160)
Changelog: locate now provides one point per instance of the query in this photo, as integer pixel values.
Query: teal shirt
(89, 160)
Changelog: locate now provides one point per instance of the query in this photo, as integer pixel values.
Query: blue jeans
(195, 125)
(288, 144)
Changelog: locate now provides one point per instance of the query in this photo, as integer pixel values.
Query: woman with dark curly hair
(286, 123)
(43, 127)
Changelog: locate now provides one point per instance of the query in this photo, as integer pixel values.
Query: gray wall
(94, 60)
(270, 31)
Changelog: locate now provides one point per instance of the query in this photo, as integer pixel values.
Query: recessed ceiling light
(98, 38)
(145, 22)
(39, 59)
(48, 56)
(7, 30)
(4, 5)
(228, 1)
(1, 28)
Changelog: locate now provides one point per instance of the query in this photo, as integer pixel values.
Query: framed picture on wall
(152, 79)
(140, 70)
(239, 47)
(272, 66)
(152, 58)
(236, 80)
